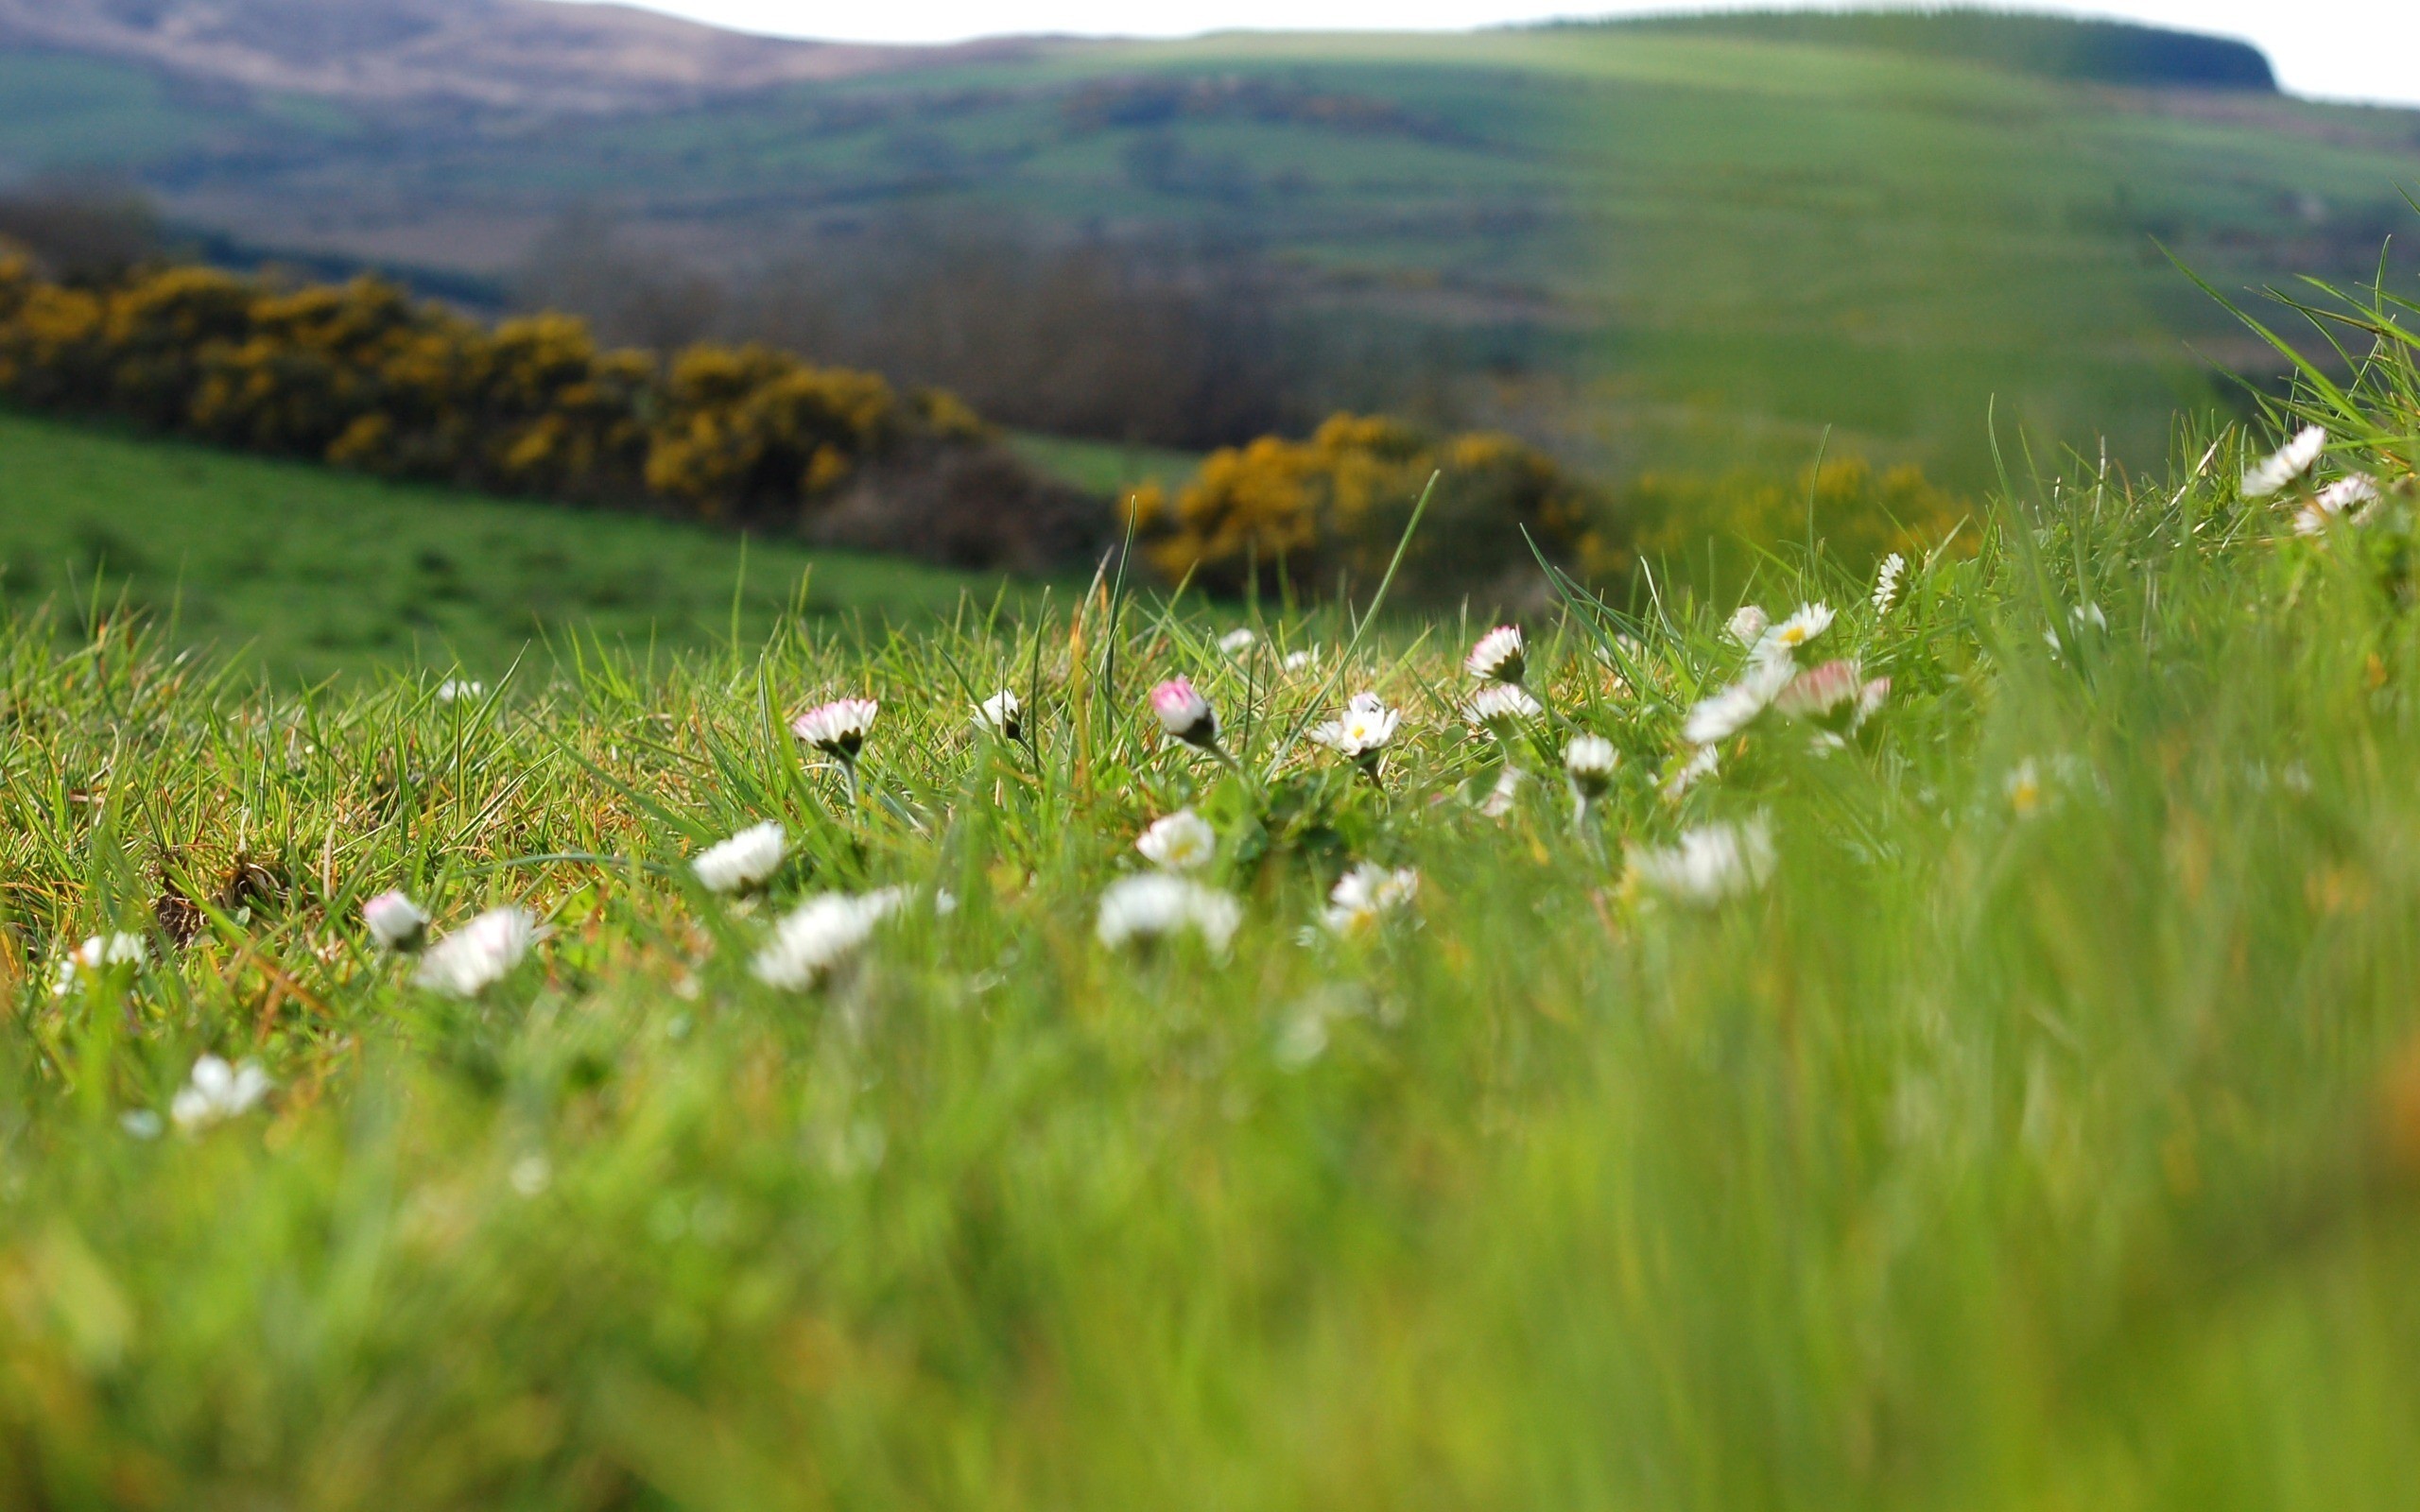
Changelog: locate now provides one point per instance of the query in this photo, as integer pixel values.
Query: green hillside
(308, 572)
(1628, 230)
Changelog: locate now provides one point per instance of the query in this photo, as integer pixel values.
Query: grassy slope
(2035, 1138)
(310, 571)
(1708, 229)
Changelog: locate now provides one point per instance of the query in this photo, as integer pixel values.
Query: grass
(2044, 1130)
(308, 572)
(1659, 236)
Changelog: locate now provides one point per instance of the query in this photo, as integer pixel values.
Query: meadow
(1994, 1086)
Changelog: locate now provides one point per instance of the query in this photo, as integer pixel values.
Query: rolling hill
(1653, 246)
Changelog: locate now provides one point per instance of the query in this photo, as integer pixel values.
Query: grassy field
(1672, 250)
(302, 571)
(2015, 1103)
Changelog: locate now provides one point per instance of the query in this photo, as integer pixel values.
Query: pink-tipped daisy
(838, 728)
(1500, 656)
(1186, 714)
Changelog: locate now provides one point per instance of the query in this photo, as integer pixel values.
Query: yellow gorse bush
(362, 376)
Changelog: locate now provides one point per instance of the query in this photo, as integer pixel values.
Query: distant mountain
(514, 54)
(2092, 50)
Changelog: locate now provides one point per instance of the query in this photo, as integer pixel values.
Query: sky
(2333, 49)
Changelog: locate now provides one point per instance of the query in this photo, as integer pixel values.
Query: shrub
(1860, 515)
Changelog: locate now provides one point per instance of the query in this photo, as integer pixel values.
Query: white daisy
(1709, 863)
(1500, 655)
(1363, 734)
(1237, 641)
(743, 863)
(481, 954)
(1588, 760)
(1785, 641)
(1180, 842)
(216, 1091)
(1500, 706)
(2287, 463)
(453, 688)
(97, 957)
(822, 933)
(395, 921)
(1157, 905)
(2347, 498)
(1747, 623)
(1366, 894)
(1886, 583)
(1736, 706)
(1505, 794)
(1003, 714)
(838, 728)
(1700, 766)
(1302, 661)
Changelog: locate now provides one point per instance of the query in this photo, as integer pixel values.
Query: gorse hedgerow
(1975, 1065)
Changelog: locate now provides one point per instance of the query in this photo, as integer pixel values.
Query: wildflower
(1500, 706)
(2347, 498)
(481, 954)
(1003, 714)
(453, 688)
(1499, 656)
(1588, 762)
(1237, 641)
(1747, 623)
(1155, 905)
(1736, 706)
(1709, 863)
(1364, 732)
(1505, 794)
(1832, 695)
(2023, 786)
(1784, 640)
(395, 921)
(1886, 583)
(97, 956)
(743, 863)
(1180, 841)
(822, 933)
(1366, 894)
(1304, 660)
(1186, 715)
(1700, 766)
(838, 728)
(216, 1091)
(2287, 463)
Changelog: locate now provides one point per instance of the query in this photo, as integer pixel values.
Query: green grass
(305, 571)
(1105, 466)
(2043, 1131)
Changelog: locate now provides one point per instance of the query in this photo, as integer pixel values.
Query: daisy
(1499, 707)
(1003, 714)
(453, 688)
(1747, 623)
(96, 957)
(1237, 641)
(215, 1091)
(820, 933)
(1505, 794)
(1588, 762)
(395, 921)
(1700, 766)
(1829, 695)
(1785, 639)
(838, 728)
(1179, 842)
(743, 863)
(1302, 661)
(2347, 498)
(481, 954)
(1154, 906)
(1736, 706)
(1886, 583)
(1499, 656)
(2285, 464)
(1187, 716)
(1709, 863)
(1364, 732)
(1366, 894)
(2023, 785)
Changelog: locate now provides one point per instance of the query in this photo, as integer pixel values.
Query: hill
(1619, 239)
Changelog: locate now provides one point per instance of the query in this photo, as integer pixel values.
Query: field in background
(1654, 250)
(306, 571)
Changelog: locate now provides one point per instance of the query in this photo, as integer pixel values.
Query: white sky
(2341, 49)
